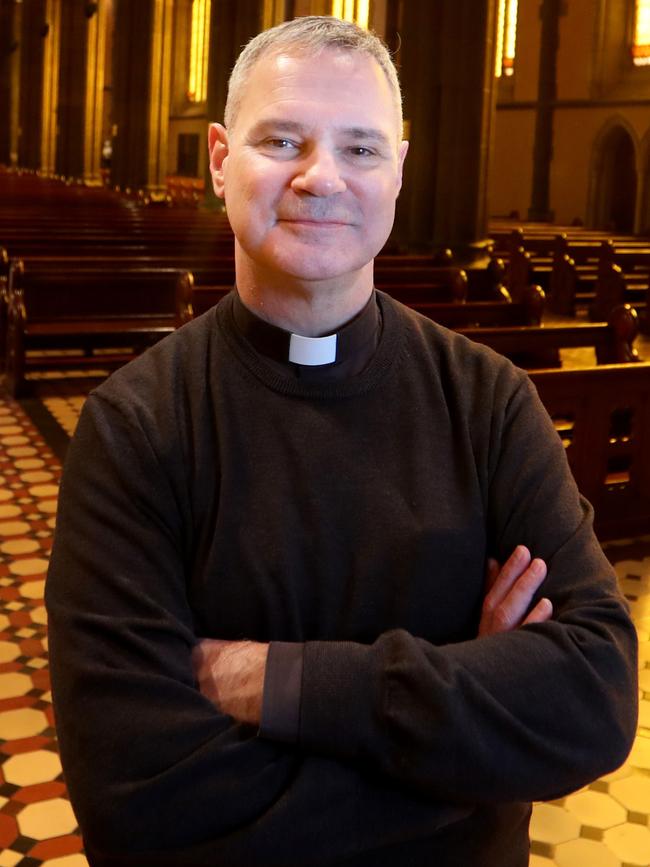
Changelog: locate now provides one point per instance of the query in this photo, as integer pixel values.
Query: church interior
(523, 222)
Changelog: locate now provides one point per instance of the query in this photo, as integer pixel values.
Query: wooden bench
(451, 315)
(584, 279)
(532, 258)
(445, 284)
(623, 275)
(602, 415)
(539, 346)
(482, 314)
(86, 312)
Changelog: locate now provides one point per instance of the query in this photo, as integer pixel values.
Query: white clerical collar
(349, 349)
(311, 351)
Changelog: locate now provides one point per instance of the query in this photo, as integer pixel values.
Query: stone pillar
(9, 78)
(160, 98)
(232, 24)
(448, 82)
(34, 31)
(141, 94)
(50, 86)
(549, 13)
(131, 61)
(81, 90)
(96, 36)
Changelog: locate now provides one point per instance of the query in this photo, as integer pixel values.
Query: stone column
(160, 98)
(81, 90)
(50, 86)
(447, 72)
(9, 78)
(141, 94)
(549, 13)
(232, 24)
(34, 31)
(96, 36)
(72, 81)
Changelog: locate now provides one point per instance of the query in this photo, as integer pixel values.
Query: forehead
(348, 87)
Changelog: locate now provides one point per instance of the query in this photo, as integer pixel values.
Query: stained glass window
(197, 90)
(506, 37)
(641, 46)
(357, 11)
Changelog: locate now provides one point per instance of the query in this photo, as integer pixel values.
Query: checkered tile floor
(37, 825)
(605, 825)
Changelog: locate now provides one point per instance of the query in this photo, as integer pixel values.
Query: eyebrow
(367, 134)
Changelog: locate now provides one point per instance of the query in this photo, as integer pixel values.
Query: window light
(197, 90)
(357, 11)
(641, 46)
(506, 38)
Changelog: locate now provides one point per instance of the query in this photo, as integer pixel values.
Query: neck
(307, 307)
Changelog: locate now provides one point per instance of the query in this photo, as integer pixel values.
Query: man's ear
(218, 148)
(401, 156)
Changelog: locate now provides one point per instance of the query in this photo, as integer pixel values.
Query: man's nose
(319, 175)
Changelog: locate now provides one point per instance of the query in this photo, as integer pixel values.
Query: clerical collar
(344, 353)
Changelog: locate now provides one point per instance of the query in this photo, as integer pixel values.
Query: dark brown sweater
(206, 494)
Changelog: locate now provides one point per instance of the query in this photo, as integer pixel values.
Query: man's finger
(507, 604)
(542, 612)
(511, 570)
(520, 597)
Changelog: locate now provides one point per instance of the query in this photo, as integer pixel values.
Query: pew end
(602, 415)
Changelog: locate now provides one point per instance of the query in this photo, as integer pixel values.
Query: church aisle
(37, 825)
(606, 824)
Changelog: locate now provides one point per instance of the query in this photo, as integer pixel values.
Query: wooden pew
(587, 278)
(603, 417)
(483, 314)
(530, 258)
(535, 347)
(570, 286)
(623, 275)
(451, 315)
(613, 288)
(444, 284)
(87, 311)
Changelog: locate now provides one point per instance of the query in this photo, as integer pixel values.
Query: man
(270, 636)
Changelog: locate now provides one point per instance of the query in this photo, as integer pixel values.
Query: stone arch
(614, 178)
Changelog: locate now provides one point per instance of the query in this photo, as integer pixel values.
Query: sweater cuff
(340, 702)
(282, 692)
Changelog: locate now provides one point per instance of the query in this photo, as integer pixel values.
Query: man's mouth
(308, 221)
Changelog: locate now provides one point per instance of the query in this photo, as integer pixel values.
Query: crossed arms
(231, 673)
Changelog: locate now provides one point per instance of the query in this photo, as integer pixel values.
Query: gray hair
(310, 34)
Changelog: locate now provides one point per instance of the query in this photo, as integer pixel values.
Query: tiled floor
(37, 825)
(605, 825)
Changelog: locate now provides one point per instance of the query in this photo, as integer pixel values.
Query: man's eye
(280, 143)
(361, 151)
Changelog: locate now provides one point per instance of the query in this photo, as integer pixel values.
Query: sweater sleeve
(525, 715)
(155, 774)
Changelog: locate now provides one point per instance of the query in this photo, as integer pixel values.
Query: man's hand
(231, 675)
(510, 590)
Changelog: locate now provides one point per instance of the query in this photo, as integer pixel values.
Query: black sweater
(206, 494)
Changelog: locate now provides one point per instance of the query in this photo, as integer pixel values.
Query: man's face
(311, 169)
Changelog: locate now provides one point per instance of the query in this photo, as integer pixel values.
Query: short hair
(310, 34)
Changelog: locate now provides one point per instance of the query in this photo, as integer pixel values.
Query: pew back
(603, 417)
